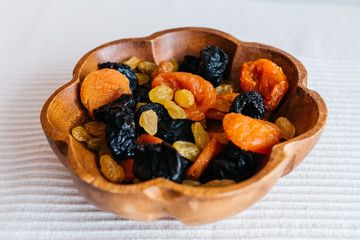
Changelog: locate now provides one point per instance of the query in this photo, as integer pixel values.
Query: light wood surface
(159, 198)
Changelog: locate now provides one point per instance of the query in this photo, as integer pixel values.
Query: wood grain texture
(159, 198)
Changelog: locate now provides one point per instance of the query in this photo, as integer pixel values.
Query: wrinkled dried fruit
(153, 160)
(132, 62)
(161, 112)
(96, 129)
(164, 67)
(161, 94)
(139, 105)
(149, 122)
(102, 87)
(224, 88)
(124, 69)
(187, 150)
(286, 127)
(190, 64)
(251, 134)
(147, 138)
(213, 64)
(266, 78)
(201, 137)
(218, 183)
(249, 104)
(215, 114)
(147, 67)
(176, 130)
(127, 166)
(108, 112)
(222, 105)
(233, 163)
(142, 78)
(104, 150)
(111, 170)
(174, 110)
(184, 98)
(80, 134)
(120, 133)
(96, 143)
(203, 92)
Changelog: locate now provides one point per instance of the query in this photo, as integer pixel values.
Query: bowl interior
(65, 111)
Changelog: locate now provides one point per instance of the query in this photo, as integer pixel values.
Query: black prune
(141, 94)
(160, 110)
(153, 160)
(213, 64)
(190, 64)
(124, 69)
(120, 132)
(106, 112)
(249, 103)
(233, 163)
(176, 130)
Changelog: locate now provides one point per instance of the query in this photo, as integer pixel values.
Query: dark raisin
(213, 64)
(160, 110)
(190, 64)
(153, 160)
(249, 103)
(141, 94)
(233, 163)
(176, 130)
(120, 133)
(124, 69)
(104, 113)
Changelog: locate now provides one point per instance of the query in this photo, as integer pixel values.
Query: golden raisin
(161, 94)
(139, 105)
(222, 105)
(164, 67)
(149, 121)
(96, 129)
(187, 150)
(174, 110)
(184, 98)
(96, 143)
(147, 67)
(201, 137)
(80, 134)
(104, 150)
(175, 64)
(286, 127)
(142, 78)
(224, 88)
(111, 170)
(218, 183)
(132, 62)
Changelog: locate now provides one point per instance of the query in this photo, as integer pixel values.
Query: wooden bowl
(158, 198)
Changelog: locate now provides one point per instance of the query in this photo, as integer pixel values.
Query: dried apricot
(193, 113)
(215, 114)
(127, 165)
(202, 90)
(147, 138)
(102, 87)
(251, 134)
(266, 78)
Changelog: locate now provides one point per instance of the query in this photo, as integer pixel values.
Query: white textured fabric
(40, 43)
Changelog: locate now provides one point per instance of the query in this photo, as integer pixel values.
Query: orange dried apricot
(102, 87)
(251, 134)
(164, 67)
(147, 138)
(266, 78)
(203, 91)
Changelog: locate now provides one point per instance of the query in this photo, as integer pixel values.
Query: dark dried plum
(161, 112)
(176, 130)
(213, 64)
(233, 163)
(153, 160)
(249, 103)
(141, 94)
(190, 64)
(124, 69)
(120, 133)
(106, 112)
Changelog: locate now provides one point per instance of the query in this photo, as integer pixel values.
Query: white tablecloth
(41, 41)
